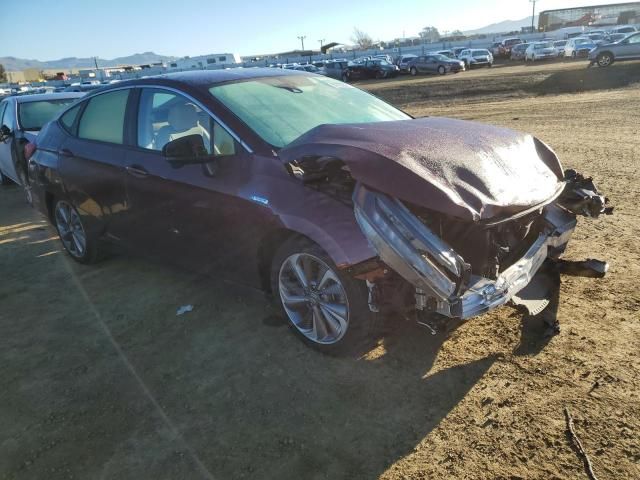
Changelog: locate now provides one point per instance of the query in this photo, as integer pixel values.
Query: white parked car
(476, 57)
(540, 51)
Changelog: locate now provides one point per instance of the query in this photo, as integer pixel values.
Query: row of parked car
(603, 52)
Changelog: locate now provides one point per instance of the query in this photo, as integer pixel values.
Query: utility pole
(301, 38)
(533, 14)
(321, 42)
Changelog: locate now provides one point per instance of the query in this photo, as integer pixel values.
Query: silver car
(540, 51)
(625, 49)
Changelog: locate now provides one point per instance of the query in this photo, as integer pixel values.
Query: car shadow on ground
(595, 78)
(102, 378)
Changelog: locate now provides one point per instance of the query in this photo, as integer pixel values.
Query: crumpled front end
(461, 269)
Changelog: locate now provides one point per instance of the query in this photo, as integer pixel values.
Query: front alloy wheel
(313, 298)
(441, 70)
(413, 71)
(605, 59)
(326, 307)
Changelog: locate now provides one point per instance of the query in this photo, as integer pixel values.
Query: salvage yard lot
(100, 379)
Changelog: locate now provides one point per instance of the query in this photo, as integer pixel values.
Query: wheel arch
(613, 57)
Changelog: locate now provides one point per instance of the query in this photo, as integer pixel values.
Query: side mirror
(5, 132)
(186, 150)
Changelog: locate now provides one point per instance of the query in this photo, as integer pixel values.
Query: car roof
(39, 97)
(202, 78)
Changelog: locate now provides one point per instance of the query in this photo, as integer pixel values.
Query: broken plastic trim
(410, 248)
(407, 245)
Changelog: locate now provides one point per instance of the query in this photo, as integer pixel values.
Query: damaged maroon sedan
(339, 204)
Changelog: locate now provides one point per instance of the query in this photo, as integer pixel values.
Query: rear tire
(442, 70)
(77, 240)
(331, 313)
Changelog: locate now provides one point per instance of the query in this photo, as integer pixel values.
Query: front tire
(413, 71)
(326, 308)
(605, 59)
(78, 242)
(442, 70)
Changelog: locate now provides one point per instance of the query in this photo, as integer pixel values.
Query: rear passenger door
(91, 159)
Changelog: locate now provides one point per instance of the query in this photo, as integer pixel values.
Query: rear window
(480, 53)
(103, 118)
(33, 115)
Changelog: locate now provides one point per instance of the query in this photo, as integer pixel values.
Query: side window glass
(103, 118)
(635, 39)
(2, 108)
(164, 116)
(69, 118)
(7, 118)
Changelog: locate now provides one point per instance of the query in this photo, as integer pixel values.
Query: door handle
(136, 171)
(65, 152)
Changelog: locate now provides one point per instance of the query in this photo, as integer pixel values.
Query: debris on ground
(184, 309)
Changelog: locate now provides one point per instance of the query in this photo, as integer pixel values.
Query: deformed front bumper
(439, 274)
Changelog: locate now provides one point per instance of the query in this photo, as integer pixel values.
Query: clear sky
(49, 30)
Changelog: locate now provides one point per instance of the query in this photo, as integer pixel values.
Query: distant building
(204, 62)
(593, 16)
(22, 76)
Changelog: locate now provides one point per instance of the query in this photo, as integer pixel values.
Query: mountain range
(13, 64)
(503, 27)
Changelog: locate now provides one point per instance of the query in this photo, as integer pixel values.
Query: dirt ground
(100, 379)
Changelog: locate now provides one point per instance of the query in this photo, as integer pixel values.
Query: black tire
(345, 77)
(573, 55)
(380, 74)
(604, 59)
(413, 71)
(442, 70)
(90, 252)
(4, 180)
(361, 321)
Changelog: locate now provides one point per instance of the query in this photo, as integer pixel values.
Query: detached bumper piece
(444, 283)
(581, 196)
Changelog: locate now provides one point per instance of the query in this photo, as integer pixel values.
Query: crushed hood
(465, 169)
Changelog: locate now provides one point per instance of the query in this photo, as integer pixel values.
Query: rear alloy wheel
(605, 59)
(442, 70)
(73, 234)
(327, 309)
(413, 71)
